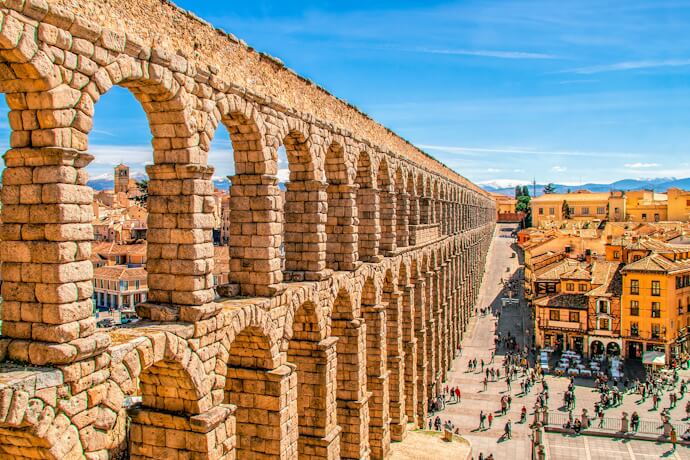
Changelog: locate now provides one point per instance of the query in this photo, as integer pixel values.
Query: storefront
(633, 350)
(600, 345)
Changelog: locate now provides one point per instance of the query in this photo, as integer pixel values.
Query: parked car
(105, 322)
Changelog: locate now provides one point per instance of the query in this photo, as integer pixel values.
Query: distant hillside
(107, 184)
(658, 184)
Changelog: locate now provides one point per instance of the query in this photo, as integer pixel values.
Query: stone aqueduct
(331, 352)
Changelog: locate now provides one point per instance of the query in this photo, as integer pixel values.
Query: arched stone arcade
(329, 357)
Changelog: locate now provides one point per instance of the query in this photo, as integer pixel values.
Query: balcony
(563, 325)
(644, 335)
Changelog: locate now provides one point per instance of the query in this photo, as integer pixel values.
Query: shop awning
(654, 358)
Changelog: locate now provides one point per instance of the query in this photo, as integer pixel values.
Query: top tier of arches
(348, 199)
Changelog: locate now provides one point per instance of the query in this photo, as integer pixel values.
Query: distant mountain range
(660, 184)
(106, 183)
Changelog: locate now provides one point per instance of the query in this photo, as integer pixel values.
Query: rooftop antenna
(534, 187)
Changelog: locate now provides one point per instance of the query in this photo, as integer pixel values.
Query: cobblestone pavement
(478, 343)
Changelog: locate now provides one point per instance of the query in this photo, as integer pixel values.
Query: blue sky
(569, 92)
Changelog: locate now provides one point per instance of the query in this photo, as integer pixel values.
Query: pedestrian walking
(674, 438)
(491, 419)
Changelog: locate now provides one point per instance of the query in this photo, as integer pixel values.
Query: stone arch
(402, 211)
(174, 380)
(305, 212)
(409, 340)
(387, 206)
(262, 388)
(253, 245)
(377, 375)
(341, 223)
(352, 396)
(368, 234)
(392, 301)
(314, 356)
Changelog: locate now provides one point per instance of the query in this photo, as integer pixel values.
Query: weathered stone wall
(335, 344)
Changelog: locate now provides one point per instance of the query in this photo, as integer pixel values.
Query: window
(569, 286)
(656, 331)
(634, 329)
(634, 308)
(552, 211)
(541, 211)
(680, 306)
(656, 218)
(616, 211)
(687, 202)
(656, 288)
(601, 210)
(636, 258)
(656, 310)
(136, 284)
(554, 315)
(582, 287)
(604, 324)
(574, 317)
(616, 255)
(603, 306)
(644, 216)
(634, 287)
(585, 211)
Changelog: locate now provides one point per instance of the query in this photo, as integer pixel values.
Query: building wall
(678, 205)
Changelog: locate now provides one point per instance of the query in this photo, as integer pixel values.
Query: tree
(525, 191)
(522, 203)
(566, 210)
(142, 197)
(549, 188)
(518, 191)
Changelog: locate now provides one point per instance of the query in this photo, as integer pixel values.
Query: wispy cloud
(559, 169)
(477, 151)
(641, 165)
(487, 53)
(628, 65)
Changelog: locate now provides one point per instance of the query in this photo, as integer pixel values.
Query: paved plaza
(479, 344)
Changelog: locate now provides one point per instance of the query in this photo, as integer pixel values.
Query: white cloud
(559, 169)
(284, 175)
(103, 176)
(128, 154)
(504, 183)
(493, 170)
(488, 53)
(629, 65)
(641, 165)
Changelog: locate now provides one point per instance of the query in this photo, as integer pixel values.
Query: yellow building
(678, 204)
(582, 205)
(504, 203)
(656, 300)
(616, 206)
(561, 317)
(645, 206)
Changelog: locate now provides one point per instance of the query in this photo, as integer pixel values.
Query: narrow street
(479, 344)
